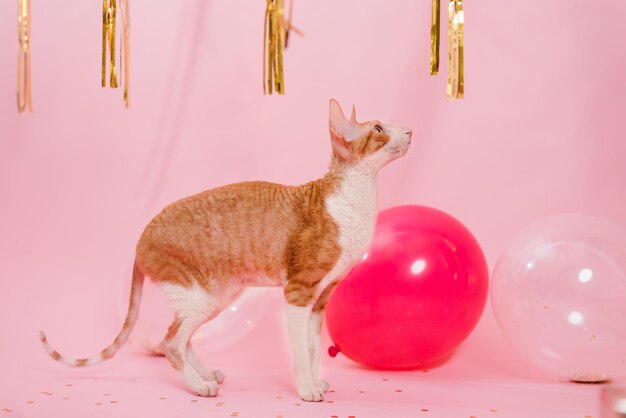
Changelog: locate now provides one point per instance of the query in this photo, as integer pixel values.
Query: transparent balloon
(559, 295)
(232, 324)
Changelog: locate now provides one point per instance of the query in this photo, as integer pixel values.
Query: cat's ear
(353, 115)
(337, 121)
(338, 125)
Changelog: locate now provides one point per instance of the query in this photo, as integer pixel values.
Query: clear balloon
(232, 324)
(415, 297)
(559, 295)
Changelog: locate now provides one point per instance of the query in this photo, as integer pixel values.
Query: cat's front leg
(298, 320)
(315, 328)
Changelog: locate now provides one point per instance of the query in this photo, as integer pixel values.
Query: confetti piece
(107, 394)
(162, 397)
(333, 391)
(113, 402)
(279, 397)
(69, 384)
(297, 404)
(351, 416)
(398, 390)
(330, 401)
(65, 399)
(385, 379)
(424, 410)
(493, 410)
(194, 400)
(425, 371)
(546, 307)
(334, 416)
(361, 391)
(31, 402)
(98, 403)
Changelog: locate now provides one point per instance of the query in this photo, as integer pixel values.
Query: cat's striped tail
(131, 318)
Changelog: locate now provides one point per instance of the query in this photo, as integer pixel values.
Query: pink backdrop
(541, 131)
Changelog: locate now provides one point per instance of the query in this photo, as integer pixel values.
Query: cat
(205, 249)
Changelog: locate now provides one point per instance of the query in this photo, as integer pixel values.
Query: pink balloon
(417, 294)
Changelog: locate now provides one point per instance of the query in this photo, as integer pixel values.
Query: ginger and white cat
(205, 249)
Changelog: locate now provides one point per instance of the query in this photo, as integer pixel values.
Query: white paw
(215, 376)
(209, 389)
(322, 385)
(311, 393)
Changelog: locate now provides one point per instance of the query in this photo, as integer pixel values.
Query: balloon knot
(333, 351)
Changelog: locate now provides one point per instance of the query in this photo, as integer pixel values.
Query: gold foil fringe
(435, 27)
(456, 73)
(24, 98)
(109, 29)
(273, 38)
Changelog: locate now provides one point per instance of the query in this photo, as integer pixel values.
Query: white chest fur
(354, 208)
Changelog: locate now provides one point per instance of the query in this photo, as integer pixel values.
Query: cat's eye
(378, 129)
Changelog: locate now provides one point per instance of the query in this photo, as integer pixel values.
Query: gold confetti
(98, 403)
(113, 402)
(493, 410)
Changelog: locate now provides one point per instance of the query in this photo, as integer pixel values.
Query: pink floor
(474, 383)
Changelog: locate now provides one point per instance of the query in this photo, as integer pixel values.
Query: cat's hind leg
(193, 358)
(193, 306)
(206, 373)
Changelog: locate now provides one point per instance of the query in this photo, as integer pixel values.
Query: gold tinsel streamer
(434, 37)
(273, 38)
(24, 98)
(109, 28)
(455, 84)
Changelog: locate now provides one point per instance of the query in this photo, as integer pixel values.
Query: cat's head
(374, 143)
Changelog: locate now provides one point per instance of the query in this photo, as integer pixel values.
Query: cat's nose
(409, 133)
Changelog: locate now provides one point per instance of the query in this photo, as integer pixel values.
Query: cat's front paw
(311, 393)
(322, 385)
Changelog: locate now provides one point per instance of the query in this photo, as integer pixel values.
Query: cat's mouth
(400, 151)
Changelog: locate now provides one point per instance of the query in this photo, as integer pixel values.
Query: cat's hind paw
(209, 389)
(216, 376)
